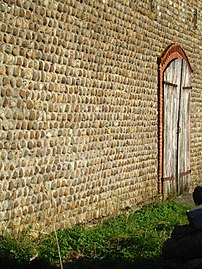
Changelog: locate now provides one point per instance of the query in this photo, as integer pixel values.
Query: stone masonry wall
(79, 105)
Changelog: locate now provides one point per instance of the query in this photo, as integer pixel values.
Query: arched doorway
(174, 122)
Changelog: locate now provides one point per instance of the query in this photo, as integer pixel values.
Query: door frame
(173, 52)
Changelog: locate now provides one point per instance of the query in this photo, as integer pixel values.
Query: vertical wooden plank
(184, 137)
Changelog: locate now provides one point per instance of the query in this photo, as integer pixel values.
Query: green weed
(129, 237)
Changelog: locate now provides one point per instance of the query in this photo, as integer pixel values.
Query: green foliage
(17, 248)
(130, 237)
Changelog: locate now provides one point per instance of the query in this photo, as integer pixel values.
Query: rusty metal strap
(170, 84)
(185, 173)
(172, 177)
(187, 88)
(168, 178)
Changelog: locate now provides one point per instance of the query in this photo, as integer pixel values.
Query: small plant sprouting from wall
(151, 7)
(195, 17)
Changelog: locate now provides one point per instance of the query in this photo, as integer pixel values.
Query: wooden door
(176, 132)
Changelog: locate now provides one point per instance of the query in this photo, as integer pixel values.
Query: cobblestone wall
(79, 105)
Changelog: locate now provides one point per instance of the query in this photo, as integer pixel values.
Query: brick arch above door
(173, 52)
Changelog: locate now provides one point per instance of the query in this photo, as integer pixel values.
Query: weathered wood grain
(176, 156)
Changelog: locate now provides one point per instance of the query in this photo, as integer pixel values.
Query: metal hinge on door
(178, 130)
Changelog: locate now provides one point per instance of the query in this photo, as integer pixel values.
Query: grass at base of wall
(128, 238)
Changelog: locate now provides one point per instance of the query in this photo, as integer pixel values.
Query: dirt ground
(186, 199)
